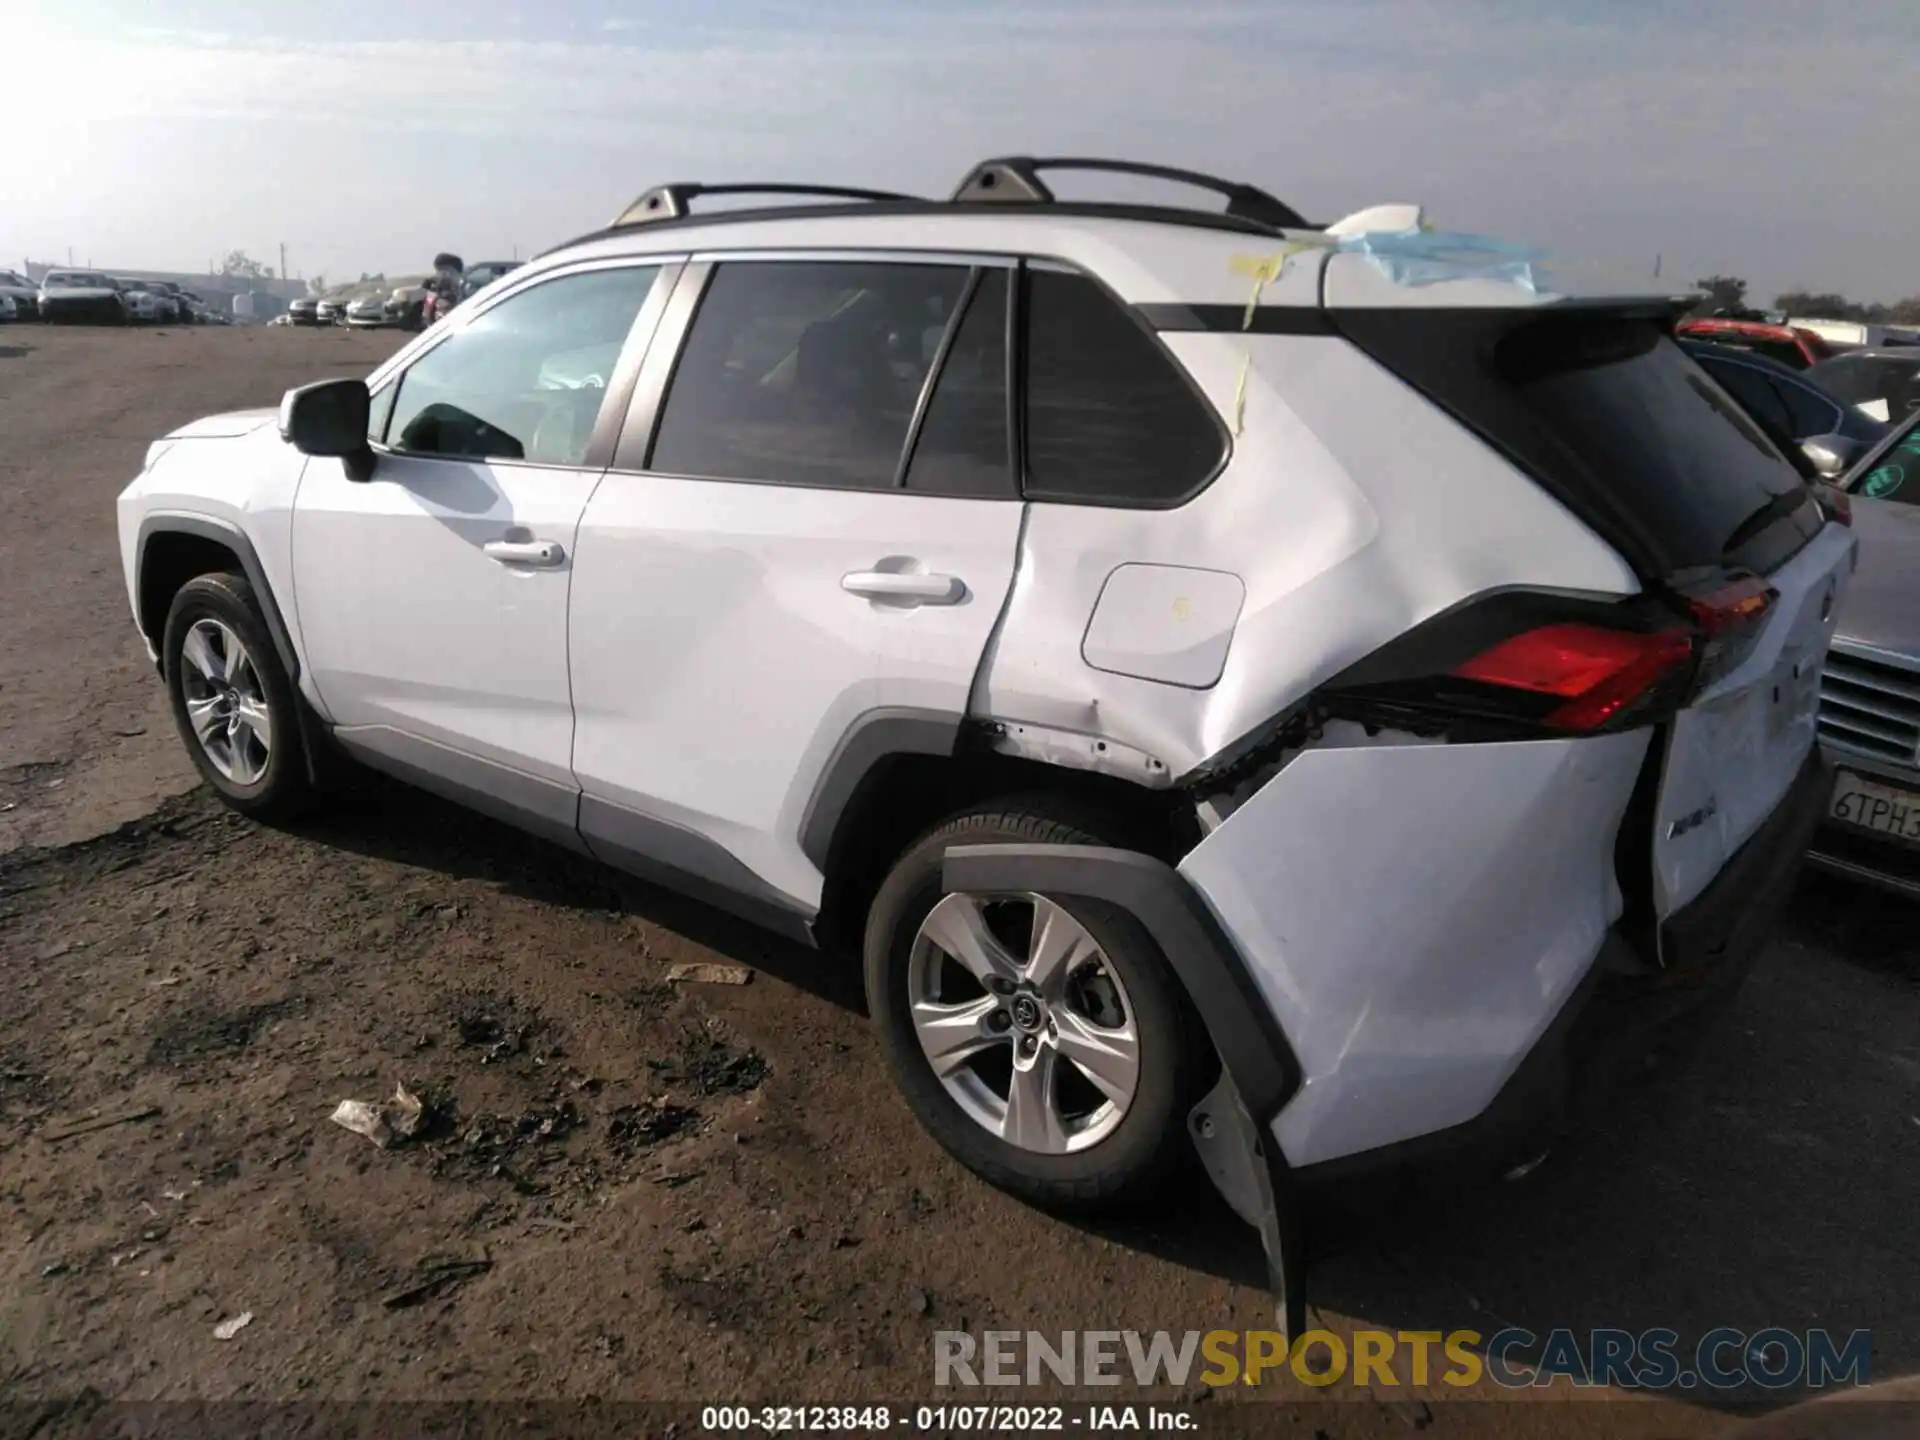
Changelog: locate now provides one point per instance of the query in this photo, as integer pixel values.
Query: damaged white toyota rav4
(1249, 689)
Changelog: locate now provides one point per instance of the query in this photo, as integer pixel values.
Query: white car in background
(147, 304)
(1284, 727)
(23, 292)
(82, 295)
(367, 312)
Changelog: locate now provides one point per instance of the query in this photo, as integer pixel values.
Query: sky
(1762, 138)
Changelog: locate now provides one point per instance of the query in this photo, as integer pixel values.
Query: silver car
(1870, 692)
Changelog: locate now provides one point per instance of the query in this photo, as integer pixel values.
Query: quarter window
(805, 372)
(1109, 416)
(525, 379)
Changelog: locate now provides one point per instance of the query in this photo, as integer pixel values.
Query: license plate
(1869, 805)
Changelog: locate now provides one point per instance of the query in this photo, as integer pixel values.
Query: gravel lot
(697, 1192)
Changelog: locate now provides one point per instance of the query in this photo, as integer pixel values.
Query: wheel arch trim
(1252, 1048)
(221, 532)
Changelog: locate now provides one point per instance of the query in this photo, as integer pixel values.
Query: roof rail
(669, 202)
(1015, 179)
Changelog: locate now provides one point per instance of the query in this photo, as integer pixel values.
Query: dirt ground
(635, 1191)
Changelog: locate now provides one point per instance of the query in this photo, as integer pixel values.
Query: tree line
(1728, 293)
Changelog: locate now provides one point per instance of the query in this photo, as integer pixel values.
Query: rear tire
(1096, 1154)
(232, 700)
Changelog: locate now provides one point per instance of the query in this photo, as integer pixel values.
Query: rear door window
(1606, 412)
(1110, 416)
(806, 372)
(964, 447)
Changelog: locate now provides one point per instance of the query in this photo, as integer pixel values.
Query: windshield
(77, 280)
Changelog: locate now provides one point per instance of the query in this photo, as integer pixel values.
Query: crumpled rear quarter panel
(1416, 915)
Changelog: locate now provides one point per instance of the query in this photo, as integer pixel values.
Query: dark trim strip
(235, 540)
(527, 802)
(869, 740)
(1251, 1046)
(1267, 319)
(690, 864)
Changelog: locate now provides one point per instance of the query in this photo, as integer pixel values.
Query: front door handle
(539, 554)
(897, 585)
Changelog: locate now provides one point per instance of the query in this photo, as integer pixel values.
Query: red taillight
(1598, 672)
(1836, 502)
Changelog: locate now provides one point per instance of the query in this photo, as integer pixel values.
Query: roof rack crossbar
(1015, 179)
(670, 202)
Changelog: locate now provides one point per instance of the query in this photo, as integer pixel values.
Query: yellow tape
(1264, 272)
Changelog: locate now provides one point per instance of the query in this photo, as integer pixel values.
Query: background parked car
(330, 311)
(81, 295)
(183, 306)
(1790, 346)
(23, 292)
(304, 311)
(1883, 383)
(1870, 688)
(485, 273)
(367, 311)
(1843, 335)
(404, 306)
(148, 304)
(1832, 435)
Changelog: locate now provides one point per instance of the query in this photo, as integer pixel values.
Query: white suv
(1250, 689)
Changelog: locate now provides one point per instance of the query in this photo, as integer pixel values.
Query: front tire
(1044, 1043)
(232, 700)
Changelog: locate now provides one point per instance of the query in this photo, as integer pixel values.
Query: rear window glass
(1611, 416)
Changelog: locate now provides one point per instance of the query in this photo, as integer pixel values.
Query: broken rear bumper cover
(1613, 1006)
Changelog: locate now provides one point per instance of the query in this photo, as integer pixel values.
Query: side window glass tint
(525, 380)
(1109, 416)
(1811, 414)
(1756, 396)
(805, 372)
(963, 447)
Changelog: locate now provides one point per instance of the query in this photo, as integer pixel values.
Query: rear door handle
(539, 554)
(895, 585)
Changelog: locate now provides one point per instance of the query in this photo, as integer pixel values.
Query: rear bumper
(1621, 1010)
(109, 310)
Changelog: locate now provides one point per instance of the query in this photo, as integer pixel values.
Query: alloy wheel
(1024, 1021)
(226, 702)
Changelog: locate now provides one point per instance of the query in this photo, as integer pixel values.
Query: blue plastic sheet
(1428, 257)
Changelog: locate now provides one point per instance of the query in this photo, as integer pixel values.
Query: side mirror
(329, 418)
(1832, 455)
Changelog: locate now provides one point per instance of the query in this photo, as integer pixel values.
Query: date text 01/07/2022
(941, 1419)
